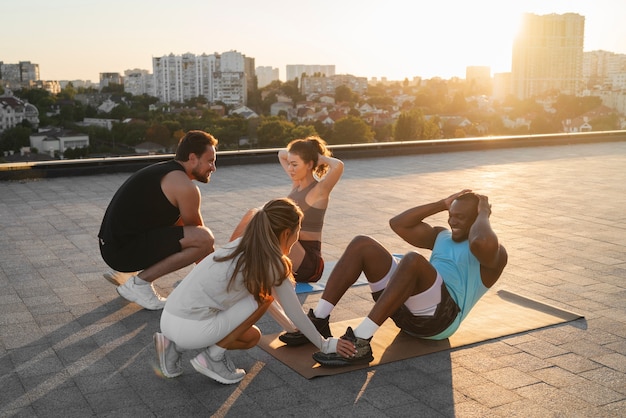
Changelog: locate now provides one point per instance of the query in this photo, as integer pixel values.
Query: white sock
(216, 352)
(140, 282)
(323, 309)
(366, 329)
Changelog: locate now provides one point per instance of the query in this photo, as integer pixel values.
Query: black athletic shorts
(312, 265)
(425, 326)
(139, 252)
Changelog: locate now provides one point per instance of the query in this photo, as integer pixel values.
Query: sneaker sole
(211, 374)
(160, 353)
(340, 361)
(111, 279)
(293, 340)
(131, 298)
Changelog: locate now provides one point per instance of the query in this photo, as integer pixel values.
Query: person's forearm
(481, 229)
(332, 162)
(414, 216)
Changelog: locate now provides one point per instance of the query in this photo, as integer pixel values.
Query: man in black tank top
(153, 225)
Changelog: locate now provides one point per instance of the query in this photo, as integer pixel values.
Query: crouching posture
(216, 305)
(425, 299)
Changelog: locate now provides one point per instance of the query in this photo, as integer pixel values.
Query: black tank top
(140, 205)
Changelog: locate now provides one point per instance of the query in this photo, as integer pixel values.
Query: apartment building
(326, 85)
(548, 55)
(604, 70)
(265, 75)
(296, 70)
(217, 77)
(107, 79)
(138, 82)
(24, 71)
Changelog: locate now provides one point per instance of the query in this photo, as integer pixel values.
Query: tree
(13, 139)
(351, 130)
(230, 130)
(274, 132)
(159, 134)
(302, 131)
(344, 94)
(410, 126)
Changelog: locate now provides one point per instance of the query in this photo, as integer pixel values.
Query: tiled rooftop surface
(71, 347)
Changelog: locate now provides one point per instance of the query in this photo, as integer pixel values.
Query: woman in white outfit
(217, 304)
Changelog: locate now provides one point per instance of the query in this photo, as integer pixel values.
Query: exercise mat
(496, 315)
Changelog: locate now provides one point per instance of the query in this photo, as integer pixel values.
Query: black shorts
(312, 265)
(425, 326)
(139, 252)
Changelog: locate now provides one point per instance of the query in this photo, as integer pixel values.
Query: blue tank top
(460, 271)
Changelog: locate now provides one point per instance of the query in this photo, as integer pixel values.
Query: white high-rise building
(217, 77)
(265, 75)
(138, 82)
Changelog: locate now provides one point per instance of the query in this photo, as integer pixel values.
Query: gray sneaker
(143, 295)
(167, 356)
(117, 277)
(223, 371)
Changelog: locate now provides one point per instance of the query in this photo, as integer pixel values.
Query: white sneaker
(141, 294)
(167, 356)
(117, 277)
(223, 371)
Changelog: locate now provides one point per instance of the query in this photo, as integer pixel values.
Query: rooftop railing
(91, 166)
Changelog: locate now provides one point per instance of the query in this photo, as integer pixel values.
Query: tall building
(548, 55)
(107, 79)
(328, 85)
(138, 82)
(222, 77)
(478, 80)
(24, 71)
(601, 68)
(265, 75)
(296, 71)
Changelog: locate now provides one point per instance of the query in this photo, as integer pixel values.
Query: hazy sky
(78, 39)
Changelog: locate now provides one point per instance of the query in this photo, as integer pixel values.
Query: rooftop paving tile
(70, 346)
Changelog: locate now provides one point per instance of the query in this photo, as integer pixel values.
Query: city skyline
(359, 38)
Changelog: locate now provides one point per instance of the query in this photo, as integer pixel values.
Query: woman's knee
(251, 337)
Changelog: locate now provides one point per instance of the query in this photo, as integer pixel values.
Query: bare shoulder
(176, 184)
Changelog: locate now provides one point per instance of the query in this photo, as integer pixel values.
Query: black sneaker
(297, 338)
(363, 353)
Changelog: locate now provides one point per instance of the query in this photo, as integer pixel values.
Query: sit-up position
(424, 299)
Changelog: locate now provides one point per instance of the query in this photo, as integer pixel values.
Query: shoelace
(230, 366)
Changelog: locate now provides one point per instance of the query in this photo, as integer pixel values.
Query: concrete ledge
(91, 166)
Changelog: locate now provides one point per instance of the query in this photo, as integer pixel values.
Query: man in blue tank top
(425, 298)
(153, 225)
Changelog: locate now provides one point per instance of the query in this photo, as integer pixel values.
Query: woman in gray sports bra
(314, 173)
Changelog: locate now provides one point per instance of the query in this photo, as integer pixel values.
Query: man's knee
(207, 240)
(414, 260)
(200, 237)
(361, 241)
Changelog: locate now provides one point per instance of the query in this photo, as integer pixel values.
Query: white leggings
(424, 303)
(190, 334)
